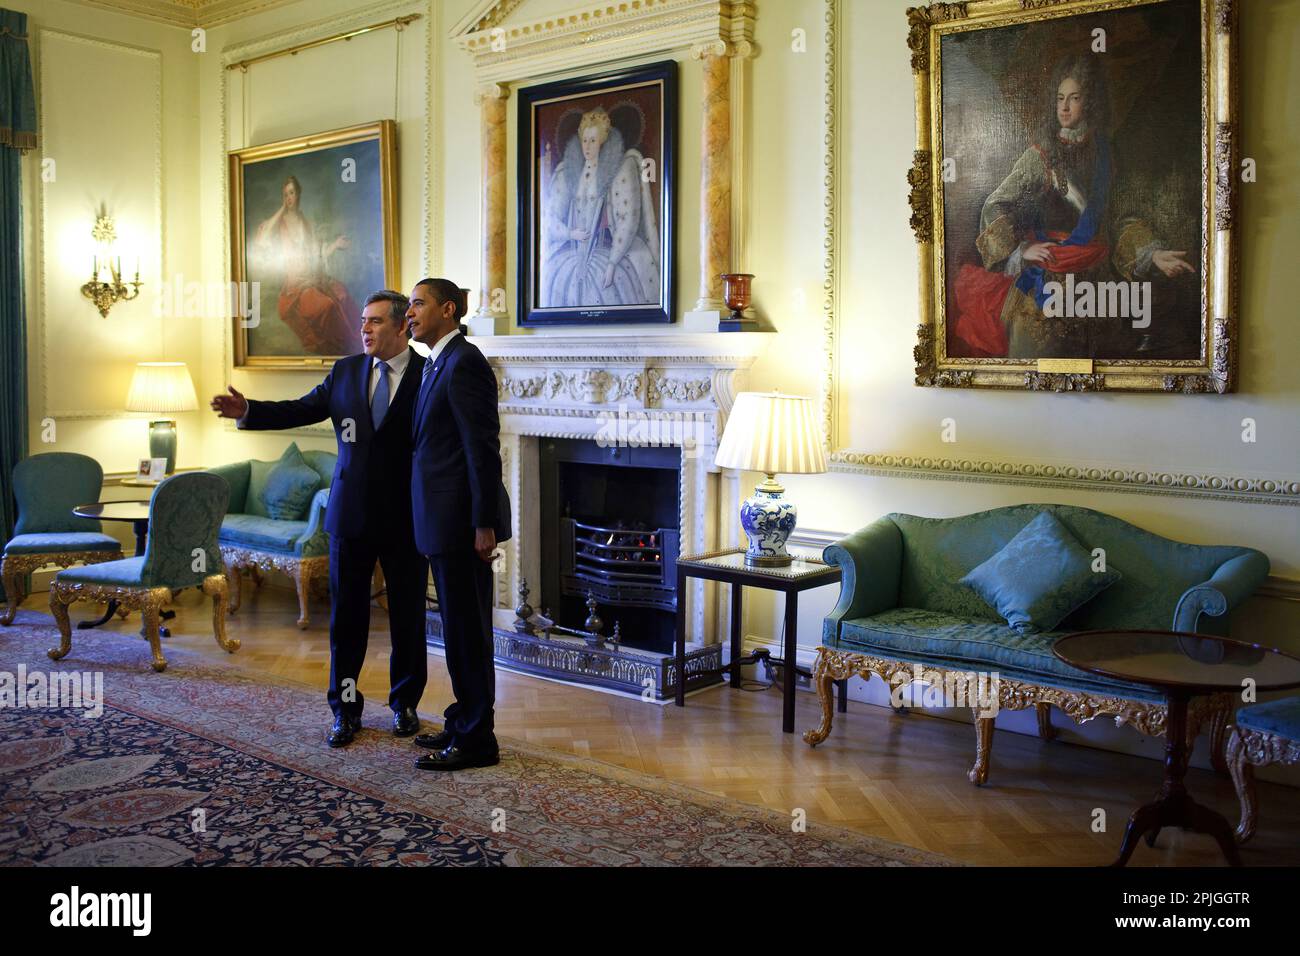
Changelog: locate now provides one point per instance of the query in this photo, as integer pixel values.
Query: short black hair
(448, 291)
(399, 303)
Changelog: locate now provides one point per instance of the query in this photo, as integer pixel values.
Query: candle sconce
(106, 288)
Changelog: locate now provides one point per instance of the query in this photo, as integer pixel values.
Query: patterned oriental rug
(205, 765)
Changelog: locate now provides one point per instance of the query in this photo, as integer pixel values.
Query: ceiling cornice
(188, 13)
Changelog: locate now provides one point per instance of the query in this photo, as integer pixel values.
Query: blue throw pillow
(290, 486)
(1040, 577)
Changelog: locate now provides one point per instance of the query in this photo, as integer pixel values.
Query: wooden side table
(729, 567)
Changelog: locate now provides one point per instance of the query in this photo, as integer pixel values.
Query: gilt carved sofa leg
(979, 774)
(302, 578)
(235, 590)
(825, 684)
(1045, 728)
(1243, 778)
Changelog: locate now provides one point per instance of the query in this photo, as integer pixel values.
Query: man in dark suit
(370, 398)
(461, 514)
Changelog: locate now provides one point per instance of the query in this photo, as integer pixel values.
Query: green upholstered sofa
(901, 606)
(252, 540)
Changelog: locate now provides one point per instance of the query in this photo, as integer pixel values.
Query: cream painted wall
(116, 97)
(380, 75)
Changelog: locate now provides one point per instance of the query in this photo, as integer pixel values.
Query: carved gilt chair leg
(215, 585)
(1243, 778)
(13, 593)
(302, 578)
(825, 684)
(979, 774)
(1045, 728)
(59, 608)
(151, 613)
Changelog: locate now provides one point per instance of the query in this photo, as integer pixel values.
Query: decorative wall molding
(504, 52)
(1213, 486)
(1250, 489)
(188, 13)
(42, 216)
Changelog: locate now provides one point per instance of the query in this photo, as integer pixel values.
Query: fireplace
(610, 522)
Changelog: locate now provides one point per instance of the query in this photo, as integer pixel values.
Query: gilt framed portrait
(313, 231)
(1073, 191)
(597, 164)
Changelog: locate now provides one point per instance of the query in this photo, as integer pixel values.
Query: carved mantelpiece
(664, 388)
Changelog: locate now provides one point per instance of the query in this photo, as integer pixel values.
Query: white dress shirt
(396, 369)
(441, 344)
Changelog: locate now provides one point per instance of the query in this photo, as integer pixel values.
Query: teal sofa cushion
(938, 552)
(125, 573)
(61, 541)
(946, 639)
(1039, 577)
(1281, 717)
(258, 474)
(289, 487)
(263, 534)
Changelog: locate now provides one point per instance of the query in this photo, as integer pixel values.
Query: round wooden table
(1179, 666)
(136, 512)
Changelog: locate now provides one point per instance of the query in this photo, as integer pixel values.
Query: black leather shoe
(406, 722)
(344, 730)
(455, 758)
(439, 741)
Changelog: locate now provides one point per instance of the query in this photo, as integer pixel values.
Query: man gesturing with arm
(370, 399)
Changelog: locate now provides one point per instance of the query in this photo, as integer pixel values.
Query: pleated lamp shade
(774, 434)
(162, 387)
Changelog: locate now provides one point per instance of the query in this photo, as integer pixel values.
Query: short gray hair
(398, 302)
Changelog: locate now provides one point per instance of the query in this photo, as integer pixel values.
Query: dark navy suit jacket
(369, 492)
(456, 481)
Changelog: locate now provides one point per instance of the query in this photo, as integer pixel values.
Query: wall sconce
(106, 288)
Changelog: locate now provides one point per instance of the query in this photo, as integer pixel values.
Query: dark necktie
(379, 404)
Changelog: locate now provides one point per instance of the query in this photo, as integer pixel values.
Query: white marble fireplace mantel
(623, 386)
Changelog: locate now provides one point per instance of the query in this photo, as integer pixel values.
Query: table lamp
(774, 434)
(162, 387)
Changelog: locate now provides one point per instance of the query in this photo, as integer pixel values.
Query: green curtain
(17, 135)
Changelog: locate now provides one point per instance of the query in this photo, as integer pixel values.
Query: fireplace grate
(623, 566)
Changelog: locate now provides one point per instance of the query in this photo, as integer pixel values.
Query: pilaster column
(715, 172)
(492, 100)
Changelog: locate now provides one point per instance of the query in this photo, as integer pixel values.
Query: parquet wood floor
(902, 778)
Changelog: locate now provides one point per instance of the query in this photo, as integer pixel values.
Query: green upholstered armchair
(902, 606)
(252, 539)
(184, 517)
(47, 488)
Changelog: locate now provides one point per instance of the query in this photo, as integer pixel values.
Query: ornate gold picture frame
(313, 231)
(1073, 192)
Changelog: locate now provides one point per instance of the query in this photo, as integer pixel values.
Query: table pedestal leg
(791, 648)
(1173, 806)
(681, 638)
(87, 625)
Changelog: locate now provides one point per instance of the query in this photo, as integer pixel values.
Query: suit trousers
(352, 566)
(464, 583)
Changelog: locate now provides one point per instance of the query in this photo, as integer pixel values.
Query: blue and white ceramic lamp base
(768, 520)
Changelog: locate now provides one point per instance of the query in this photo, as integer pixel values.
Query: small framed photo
(151, 469)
